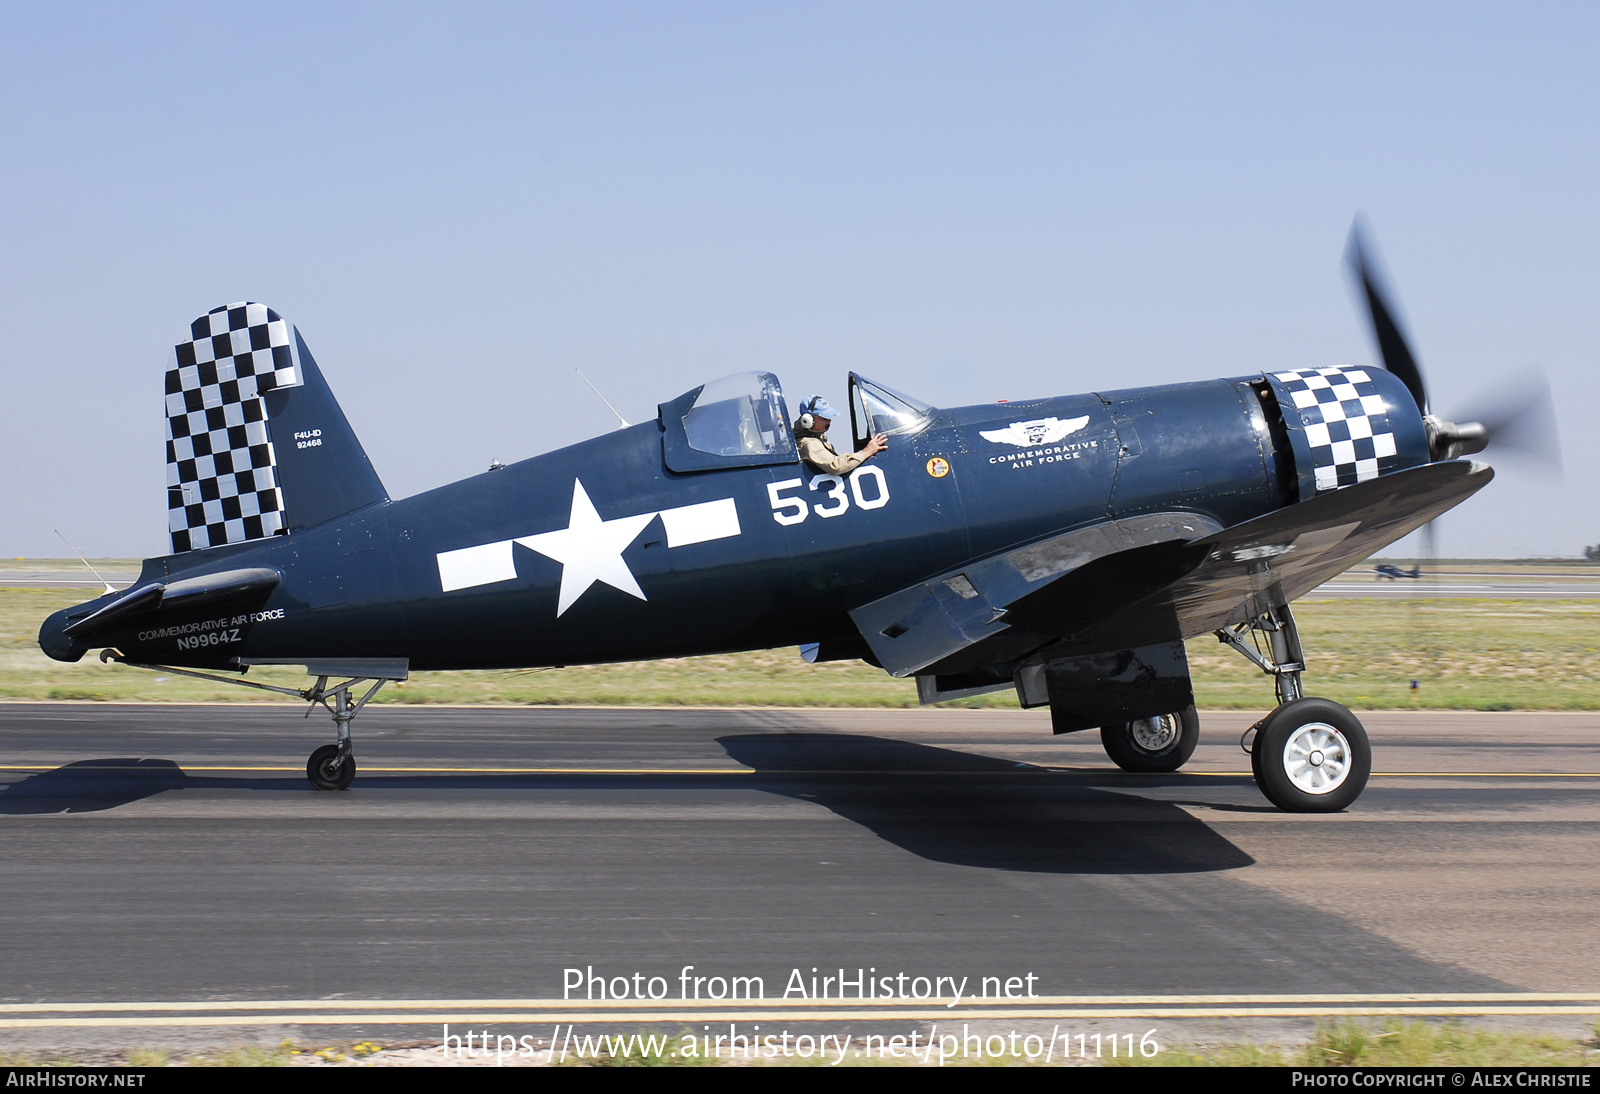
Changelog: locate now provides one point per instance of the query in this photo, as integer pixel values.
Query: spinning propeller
(1516, 416)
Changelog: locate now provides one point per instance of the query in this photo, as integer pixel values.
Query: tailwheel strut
(333, 767)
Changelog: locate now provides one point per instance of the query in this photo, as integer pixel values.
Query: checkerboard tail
(256, 444)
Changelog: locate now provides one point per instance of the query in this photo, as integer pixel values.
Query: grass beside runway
(1464, 654)
(1388, 1043)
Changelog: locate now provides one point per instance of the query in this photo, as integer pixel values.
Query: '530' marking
(835, 502)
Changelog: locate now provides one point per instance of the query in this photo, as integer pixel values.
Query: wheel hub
(1156, 734)
(1317, 758)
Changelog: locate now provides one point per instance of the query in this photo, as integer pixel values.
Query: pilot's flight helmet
(814, 408)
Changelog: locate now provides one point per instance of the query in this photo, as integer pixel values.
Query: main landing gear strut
(1309, 755)
(331, 767)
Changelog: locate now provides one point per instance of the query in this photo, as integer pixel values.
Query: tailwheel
(1162, 743)
(327, 770)
(1311, 756)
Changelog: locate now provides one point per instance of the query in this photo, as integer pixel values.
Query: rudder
(237, 393)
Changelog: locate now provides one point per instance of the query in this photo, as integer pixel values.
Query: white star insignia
(590, 549)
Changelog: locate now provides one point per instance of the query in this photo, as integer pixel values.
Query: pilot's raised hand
(876, 445)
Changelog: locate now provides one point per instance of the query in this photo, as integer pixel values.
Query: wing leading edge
(1142, 580)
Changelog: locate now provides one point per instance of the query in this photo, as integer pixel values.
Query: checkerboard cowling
(1346, 423)
(222, 483)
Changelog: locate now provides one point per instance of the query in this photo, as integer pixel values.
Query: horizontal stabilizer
(190, 592)
(142, 599)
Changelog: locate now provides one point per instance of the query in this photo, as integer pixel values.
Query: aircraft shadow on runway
(89, 786)
(940, 804)
(973, 810)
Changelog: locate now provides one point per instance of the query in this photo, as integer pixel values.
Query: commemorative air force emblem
(1039, 431)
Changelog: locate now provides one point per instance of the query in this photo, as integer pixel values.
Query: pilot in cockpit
(815, 417)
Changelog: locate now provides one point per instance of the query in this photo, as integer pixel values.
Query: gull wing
(1153, 578)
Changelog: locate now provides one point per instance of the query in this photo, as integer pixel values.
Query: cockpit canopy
(738, 415)
(742, 421)
(737, 421)
(875, 409)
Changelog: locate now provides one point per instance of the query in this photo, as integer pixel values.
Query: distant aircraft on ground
(1392, 573)
(1063, 547)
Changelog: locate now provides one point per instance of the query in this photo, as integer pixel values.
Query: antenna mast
(85, 561)
(623, 421)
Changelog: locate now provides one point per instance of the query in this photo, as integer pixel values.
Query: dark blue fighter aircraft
(1063, 547)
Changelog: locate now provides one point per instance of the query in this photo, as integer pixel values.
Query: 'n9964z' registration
(209, 638)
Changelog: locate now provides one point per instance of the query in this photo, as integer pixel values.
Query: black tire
(325, 776)
(1123, 746)
(1328, 766)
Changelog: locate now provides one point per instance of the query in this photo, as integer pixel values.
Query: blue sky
(460, 205)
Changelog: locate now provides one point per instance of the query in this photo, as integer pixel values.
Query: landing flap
(929, 623)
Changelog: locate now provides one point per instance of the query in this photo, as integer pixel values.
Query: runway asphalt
(177, 853)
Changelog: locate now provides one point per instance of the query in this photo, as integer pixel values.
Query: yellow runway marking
(511, 770)
(455, 770)
(1486, 775)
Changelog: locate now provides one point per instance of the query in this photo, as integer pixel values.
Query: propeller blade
(1520, 417)
(1392, 345)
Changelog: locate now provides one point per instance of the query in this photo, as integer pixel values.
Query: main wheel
(1311, 756)
(1162, 743)
(326, 773)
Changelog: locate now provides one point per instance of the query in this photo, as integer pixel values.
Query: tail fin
(256, 444)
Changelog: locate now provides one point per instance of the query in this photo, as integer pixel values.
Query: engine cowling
(1346, 425)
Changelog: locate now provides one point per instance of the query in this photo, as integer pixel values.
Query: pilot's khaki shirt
(815, 450)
